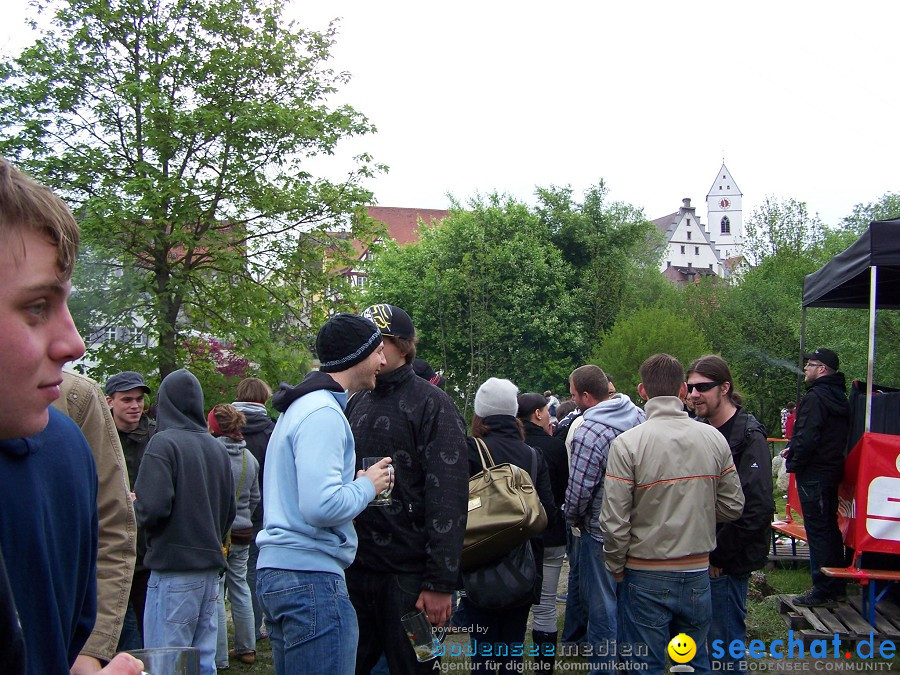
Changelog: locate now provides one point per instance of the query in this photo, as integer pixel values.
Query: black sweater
(417, 425)
(553, 448)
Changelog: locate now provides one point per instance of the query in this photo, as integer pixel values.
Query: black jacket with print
(421, 532)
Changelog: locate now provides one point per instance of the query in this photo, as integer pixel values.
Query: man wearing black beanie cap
(311, 498)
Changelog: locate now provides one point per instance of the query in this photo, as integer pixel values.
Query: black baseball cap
(391, 321)
(125, 381)
(826, 356)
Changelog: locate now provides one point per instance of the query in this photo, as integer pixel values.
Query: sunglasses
(702, 386)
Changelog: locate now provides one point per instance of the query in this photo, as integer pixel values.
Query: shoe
(249, 657)
(813, 599)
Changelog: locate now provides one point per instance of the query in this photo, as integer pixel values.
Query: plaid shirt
(587, 469)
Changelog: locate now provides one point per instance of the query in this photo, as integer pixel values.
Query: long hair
(482, 430)
(715, 368)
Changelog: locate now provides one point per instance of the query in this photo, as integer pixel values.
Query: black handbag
(506, 583)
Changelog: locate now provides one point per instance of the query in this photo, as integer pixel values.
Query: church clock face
(724, 203)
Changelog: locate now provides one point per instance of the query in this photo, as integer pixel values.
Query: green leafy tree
(488, 293)
(886, 207)
(611, 247)
(639, 335)
(183, 133)
(781, 226)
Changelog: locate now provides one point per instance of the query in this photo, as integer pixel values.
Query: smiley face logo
(682, 648)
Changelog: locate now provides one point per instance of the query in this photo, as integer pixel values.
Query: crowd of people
(118, 531)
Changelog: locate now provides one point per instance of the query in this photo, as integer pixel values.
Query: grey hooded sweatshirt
(184, 488)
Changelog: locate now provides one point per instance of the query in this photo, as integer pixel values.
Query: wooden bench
(789, 526)
(868, 579)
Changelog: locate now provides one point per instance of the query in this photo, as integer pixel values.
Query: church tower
(723, 206)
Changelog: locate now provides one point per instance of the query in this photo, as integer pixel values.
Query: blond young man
(48, 482)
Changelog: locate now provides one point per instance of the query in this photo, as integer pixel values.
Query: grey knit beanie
(496, 397)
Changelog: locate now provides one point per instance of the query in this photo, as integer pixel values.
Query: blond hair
(25, 204)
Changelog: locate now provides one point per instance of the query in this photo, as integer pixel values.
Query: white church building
(694, 249)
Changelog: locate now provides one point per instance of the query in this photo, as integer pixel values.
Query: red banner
(869, 496)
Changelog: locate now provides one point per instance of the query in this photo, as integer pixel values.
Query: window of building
(682, 249)
(696, 250)
(710, 265)
(689, 236)
(110, 335)
(726, 225)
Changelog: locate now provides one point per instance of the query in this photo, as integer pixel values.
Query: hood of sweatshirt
(315, 381)
(257, 416)
(617, 413)
(234, 448)
(833, 392)
(180, 403)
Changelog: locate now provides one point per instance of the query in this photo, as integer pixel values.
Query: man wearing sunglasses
(742, 545)
(816, 458)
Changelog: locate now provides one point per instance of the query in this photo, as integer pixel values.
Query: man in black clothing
(125, 394)
(409, 551)
(816, 458)
(742, 545)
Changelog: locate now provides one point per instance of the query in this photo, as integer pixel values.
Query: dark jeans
(657, 606)
(495, 635)
(729, 621)
(380, 600)
(819, 501)
(575, 621)
(251, 582)
(132, 636)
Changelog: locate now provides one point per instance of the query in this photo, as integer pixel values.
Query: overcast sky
(799, 98)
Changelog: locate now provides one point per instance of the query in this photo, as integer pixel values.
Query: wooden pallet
(845, 620)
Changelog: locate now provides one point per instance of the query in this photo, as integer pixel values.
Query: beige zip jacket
(82, 400)
(668, 481)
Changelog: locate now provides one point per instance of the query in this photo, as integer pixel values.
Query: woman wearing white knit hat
(495, 422)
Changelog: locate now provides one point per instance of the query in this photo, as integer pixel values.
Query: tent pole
(873, 314)
(802, 351)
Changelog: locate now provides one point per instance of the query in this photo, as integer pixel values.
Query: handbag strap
(482, 451)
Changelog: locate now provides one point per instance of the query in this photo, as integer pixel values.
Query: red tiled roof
(403, 223)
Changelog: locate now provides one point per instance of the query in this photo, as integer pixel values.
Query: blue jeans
(181, 612)
(235, 578)
(380, 600)
(598, 593)
(575, 620)
(657, 606)
(312, 625)
(819, 501)
(728, 620)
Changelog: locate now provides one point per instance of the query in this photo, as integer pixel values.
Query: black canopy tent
(867, 274)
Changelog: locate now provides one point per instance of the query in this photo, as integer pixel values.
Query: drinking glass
(169, 660)
(426, 641)
(383, 498)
